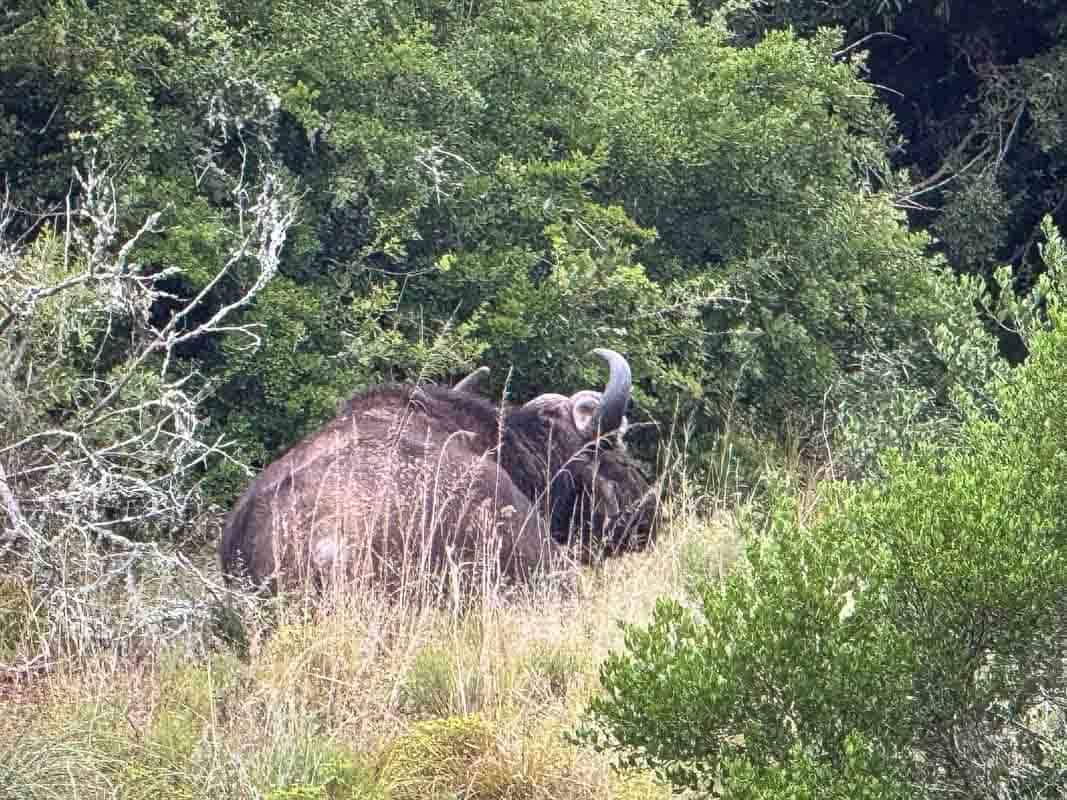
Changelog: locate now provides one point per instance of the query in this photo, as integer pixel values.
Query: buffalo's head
(617, 508)
(597, 494)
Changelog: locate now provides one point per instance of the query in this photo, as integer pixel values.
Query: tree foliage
(501, 183)
(978, 94)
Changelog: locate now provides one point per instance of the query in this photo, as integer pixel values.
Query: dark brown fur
(411, 482)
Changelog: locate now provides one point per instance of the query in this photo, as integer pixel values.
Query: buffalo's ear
(585, 407)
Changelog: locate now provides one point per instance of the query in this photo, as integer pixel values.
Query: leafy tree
(497, 183)
(757, 166)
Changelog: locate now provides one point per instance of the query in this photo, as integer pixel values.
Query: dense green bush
(503, 184)
(911, 635)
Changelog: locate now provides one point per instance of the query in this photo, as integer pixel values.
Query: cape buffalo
(414, 481)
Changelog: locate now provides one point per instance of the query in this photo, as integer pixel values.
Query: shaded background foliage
(742, 209)
(979, 96)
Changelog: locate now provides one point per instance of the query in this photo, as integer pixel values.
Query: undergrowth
(357, 698)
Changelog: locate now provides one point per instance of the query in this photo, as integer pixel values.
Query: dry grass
(370, 699)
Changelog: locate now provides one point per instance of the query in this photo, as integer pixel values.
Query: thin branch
(18, 524)
(1011, 135)
(50, 118)
(910, 196)
(859, 42)
(944, 168)
(271, 243)
(889, 89)
(67, 230)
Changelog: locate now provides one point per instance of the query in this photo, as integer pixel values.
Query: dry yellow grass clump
(367, 699)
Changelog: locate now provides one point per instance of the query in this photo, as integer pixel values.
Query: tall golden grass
(348, 695)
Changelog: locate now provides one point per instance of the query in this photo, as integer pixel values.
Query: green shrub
(912, 634)
(858, 775)
(335, 776)
(446, 758)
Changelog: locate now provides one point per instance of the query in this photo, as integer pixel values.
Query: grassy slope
(366, 701)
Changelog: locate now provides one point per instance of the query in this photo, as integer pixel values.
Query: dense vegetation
(809, 226)
(907, 642)
(481, 185)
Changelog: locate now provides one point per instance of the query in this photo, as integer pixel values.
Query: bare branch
(104, 457)
(272, 215)
(868, 37)
(1011, 135)
(59, 480)
(17, 525)
(927, 187)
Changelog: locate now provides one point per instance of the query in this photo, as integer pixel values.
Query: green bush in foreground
(909, 643)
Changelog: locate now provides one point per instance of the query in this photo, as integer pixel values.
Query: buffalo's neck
(537, 459)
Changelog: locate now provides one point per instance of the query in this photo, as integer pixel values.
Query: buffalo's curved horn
(472, 382)
(616, 397)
